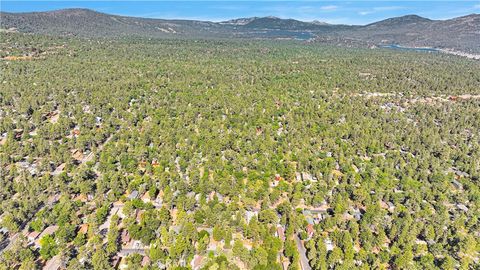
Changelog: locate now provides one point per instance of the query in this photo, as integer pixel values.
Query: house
(161, 265)
(328, 244)
(310, 230)
(383, 204)
(159, 198)
(125, 237)
(106, 225)
(212, 246)
(420, 242)
(81, 197)
(207, 229)
(280, 233)
(59, 169)
(318, 217)
(133, 195)
(347, 216)
(123, 263)
(453, 98)
(319, 213)
(157, 204)
(89, 155)
(53, 199)
(146, 197)
(54, 263)
(137, 244)
(211, 196)
(462, 207)
(32, 236)
(247, 244)
(53, 116)
(77, 154)
(310, 220)
(116, 262)
(220, 197)
(249, 215)
(31, 168)
(76, 131)
(198, 197)
(83, 229)
(98, 121)
(323, 207)
(118, 204)
(458, 173)
(176, 228)
(311, 217)
(48, 231)
(138, 217)
(276, 180)
(285, 264)
(145, 261)
(142, 165)
(337, 173)
(357, 214)
(307, 176)
(457, 184)
(86, 109)
(391, 206)
(3, 138)
(182, 262)
(118, 209)
(17, 133)
(196, 262)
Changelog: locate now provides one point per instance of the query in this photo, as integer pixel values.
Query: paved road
(127, 251)
(302, 251)
(90, 156)
(3, 244)
(8, 243)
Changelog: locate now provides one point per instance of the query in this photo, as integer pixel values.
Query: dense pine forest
(236, 154)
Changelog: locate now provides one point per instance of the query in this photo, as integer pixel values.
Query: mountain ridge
(406, 19)
(79, 11)
(460, 33)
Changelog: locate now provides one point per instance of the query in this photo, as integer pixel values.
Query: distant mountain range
(462, 33)
(273, 23)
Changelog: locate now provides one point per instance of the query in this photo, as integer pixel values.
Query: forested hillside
(190, 154)
(459, 34)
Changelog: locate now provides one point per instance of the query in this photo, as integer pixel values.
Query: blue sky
(345, 12)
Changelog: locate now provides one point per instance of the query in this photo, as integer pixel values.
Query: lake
(398, 47)
(299, 35)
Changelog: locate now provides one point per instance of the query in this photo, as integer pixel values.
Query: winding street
(302, 252)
